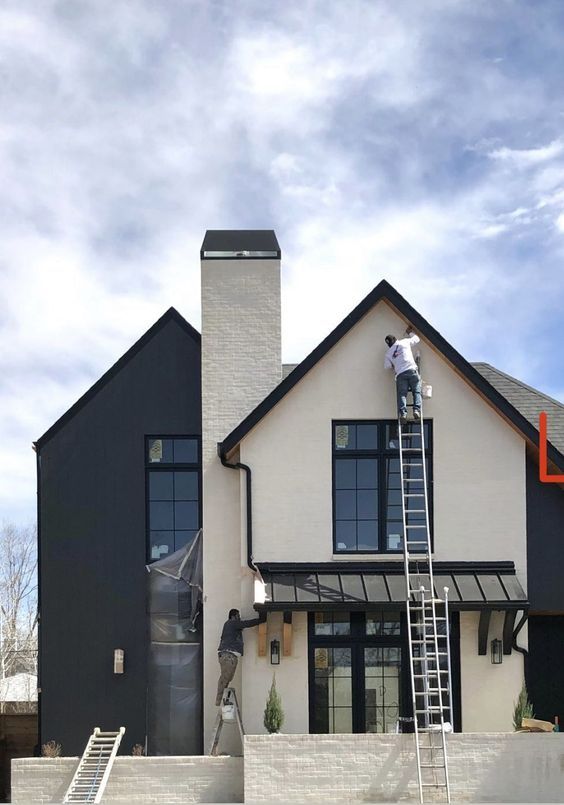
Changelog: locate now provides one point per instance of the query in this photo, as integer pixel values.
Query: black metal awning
(471, 586)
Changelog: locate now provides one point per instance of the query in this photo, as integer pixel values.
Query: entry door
(356, 688)
(382, 688)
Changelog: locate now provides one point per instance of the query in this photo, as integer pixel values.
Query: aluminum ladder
(427, 620)
(95, 765)
(228, 713)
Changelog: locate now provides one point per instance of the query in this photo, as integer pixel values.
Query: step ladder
(95, 765)
(228, 713)
(427, 620)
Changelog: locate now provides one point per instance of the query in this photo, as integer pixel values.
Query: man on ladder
(399, 357)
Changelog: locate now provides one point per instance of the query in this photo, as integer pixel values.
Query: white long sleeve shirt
(399, 356)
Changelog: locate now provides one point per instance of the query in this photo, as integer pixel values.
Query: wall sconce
(275, 652)
(119, 655)
(497, 652)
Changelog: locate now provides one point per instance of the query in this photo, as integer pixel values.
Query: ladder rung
(431, 671)
(433, 708)
(414, 495)
(431, 766)
(433, 785)
(407, 525)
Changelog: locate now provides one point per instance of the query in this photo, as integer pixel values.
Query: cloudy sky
(418, 141)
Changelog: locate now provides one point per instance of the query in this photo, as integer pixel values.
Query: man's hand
(409, 330)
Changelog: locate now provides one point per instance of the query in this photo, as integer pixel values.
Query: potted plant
(522, 709)
(273, 713)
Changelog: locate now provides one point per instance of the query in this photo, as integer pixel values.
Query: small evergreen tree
(273, 713)
(522, 708)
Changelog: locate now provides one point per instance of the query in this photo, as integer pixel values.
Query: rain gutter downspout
(247, 470)
(520, 649)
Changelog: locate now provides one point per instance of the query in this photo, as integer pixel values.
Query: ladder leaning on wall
(427, 619)
(93, 770)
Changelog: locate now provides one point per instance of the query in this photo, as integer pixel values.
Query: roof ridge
(519, 382)
(169, 315)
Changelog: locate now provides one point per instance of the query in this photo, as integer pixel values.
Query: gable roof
(385, 291)
(171, 315)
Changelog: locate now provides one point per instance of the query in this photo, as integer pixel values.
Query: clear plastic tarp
(174, 702)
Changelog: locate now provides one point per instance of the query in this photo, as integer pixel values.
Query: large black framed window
(367, 506)
(173, 493)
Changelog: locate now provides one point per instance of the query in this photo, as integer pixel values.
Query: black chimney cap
(246, 244)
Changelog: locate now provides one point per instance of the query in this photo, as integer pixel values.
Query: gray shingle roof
(528, 401)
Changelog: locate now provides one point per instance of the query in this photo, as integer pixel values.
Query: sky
(418, 142)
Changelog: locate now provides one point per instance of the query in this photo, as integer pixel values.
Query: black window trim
(158, 467)
(381, 452)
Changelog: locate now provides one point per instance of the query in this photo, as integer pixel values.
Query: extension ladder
(427, 619)
(93, 771)
(229, 705)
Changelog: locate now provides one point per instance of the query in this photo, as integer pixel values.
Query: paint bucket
(426, 390)
(228, 712)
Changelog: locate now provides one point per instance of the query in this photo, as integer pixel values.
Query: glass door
(357, 683)
(382, 688)
(333, 689)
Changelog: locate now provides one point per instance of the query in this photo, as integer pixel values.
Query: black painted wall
(545, 677)
(545, 543)
(92, 542)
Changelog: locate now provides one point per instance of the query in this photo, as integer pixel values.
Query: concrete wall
(479, 461)
(135, 779)
(241, 363)
(381, 768)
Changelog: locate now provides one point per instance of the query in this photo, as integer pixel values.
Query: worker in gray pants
(231, 647)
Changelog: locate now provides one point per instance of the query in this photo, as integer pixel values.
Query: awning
(472, 586)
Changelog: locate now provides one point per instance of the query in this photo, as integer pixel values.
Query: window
(367, 505)
(173, 493)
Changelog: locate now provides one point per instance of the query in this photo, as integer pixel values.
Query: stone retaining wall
(135, 779)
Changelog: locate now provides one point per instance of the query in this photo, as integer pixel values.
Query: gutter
(247, 470)
(520, 649)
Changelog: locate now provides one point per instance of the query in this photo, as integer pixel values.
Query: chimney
(241, 363)
(241, 338)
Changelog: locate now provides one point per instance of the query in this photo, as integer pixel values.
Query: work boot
(403, 419)
(417, 414)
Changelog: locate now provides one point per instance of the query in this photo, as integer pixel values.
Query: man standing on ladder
(231, 648)
(399, 357)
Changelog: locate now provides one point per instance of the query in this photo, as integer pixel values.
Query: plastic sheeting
(174, 701)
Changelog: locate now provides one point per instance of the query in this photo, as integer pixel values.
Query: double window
(367, 504)
(173, 493)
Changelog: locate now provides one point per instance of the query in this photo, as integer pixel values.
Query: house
(295, 482)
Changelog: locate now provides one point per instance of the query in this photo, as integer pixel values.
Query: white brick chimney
(241, 364)
(241, 340)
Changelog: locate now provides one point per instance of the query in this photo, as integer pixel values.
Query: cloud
(417, 142)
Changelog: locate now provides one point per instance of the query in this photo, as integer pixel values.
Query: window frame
(381, 453)
(169, 467)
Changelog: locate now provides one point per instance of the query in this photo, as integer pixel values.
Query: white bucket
(228, 712)
(426, 390)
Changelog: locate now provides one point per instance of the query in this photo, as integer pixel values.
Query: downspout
(522, 650)
(247, 470)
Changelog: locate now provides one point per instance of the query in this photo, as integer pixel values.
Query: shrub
(522, 708)
(273, 713)
(51, 749)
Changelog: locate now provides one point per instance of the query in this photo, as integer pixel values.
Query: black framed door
(357, 672)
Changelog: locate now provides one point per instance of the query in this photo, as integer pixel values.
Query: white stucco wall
(478, 460)
(488, 692)
(479, 494)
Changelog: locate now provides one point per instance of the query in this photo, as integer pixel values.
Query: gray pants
(228, 664)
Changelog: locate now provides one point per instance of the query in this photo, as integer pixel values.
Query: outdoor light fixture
(118, 660)
(497, 652)
(275, 652)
